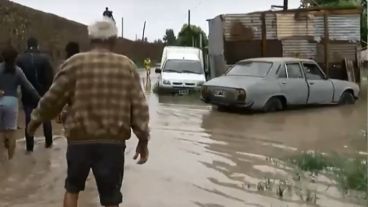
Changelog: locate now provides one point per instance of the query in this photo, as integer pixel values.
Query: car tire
(223, 108)
(347, 98)
(273, 105)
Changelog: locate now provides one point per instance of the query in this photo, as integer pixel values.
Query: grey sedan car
(273, 84)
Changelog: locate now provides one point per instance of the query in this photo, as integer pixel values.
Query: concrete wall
(138, 50)
(18, 23)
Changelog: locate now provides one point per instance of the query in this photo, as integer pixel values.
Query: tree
(343, 4)
(192, 36)
(330, 3)
(170, 38)
(158, 41)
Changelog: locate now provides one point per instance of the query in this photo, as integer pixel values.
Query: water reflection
(255, 141)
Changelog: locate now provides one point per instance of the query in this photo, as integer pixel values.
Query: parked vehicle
(273, 84)
(181, 71)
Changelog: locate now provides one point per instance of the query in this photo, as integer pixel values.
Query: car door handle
(283, 83)
(311, 83)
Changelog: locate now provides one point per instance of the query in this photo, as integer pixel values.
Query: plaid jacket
(104, 95)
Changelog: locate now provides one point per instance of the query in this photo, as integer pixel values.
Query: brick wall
(18, 23)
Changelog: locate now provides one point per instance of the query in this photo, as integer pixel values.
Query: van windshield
(250, 68)
(183, 66)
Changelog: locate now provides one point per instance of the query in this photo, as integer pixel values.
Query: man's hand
(2, 93)
(32, 127)
(142, 152)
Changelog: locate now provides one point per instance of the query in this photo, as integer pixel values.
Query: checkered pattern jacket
(104, 96)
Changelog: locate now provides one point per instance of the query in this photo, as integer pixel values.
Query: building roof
(277, 59)
(346, 10)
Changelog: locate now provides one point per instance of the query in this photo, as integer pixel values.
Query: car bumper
(228, 103)
(163, 89)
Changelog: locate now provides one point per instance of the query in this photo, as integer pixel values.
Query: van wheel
(273, 105)
(347, 98)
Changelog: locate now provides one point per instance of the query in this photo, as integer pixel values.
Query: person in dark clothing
(107, 13)
(71, 49)
(38, 70)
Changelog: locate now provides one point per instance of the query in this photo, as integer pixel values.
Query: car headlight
(166, 82)
(200, 83)
(241, 94)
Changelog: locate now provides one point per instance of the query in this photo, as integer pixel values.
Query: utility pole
(144, 29)
(189, 18)
(200, 41)
(286, 5)
(122, 27)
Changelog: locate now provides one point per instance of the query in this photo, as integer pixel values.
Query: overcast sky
(159, 14)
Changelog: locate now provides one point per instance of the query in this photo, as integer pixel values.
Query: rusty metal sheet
(294, 25)
(271, 26)
(239, 27)
(337, 52)
(236, 51)
(299, 48)
(341, 27)
(216, 36)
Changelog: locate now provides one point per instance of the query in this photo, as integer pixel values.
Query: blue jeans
(47, 130)
(8, 113)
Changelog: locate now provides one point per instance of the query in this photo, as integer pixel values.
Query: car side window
(312, 71)
(281, 73)
(294, 70)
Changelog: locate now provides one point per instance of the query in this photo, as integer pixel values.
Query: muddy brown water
(201, 157)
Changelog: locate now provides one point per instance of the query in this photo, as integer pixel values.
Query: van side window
(294, 70)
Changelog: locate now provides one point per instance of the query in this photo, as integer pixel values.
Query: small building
(303, 33)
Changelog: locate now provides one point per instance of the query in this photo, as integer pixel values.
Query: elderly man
(106, 101)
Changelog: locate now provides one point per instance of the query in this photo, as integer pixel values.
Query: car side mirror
(158, 70)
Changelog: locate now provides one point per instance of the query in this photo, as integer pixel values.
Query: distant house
(303, 33)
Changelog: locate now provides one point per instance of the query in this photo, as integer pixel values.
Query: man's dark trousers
(47, 130)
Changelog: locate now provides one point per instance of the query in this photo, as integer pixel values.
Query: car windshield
(250, 68)
(183, 66)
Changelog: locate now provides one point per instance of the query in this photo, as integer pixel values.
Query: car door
(320, 88)
(292, 83)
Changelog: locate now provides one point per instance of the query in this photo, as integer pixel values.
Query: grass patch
(312, 162)
(350, 173)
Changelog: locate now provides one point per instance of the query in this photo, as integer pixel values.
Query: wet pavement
(201, 157)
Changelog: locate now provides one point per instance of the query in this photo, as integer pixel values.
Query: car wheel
(347, 98)
(273, 105)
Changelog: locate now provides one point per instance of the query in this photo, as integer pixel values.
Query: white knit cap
(103, 29)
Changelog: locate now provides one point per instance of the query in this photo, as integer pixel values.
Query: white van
(181, 70)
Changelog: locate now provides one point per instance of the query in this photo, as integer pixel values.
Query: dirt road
(202, 158)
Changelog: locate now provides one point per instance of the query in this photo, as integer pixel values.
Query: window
(250, 68)
(183, 66)
(282, 72)
(294, 70)
(312, 71)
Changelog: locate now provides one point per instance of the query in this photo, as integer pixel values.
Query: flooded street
(201, 157)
